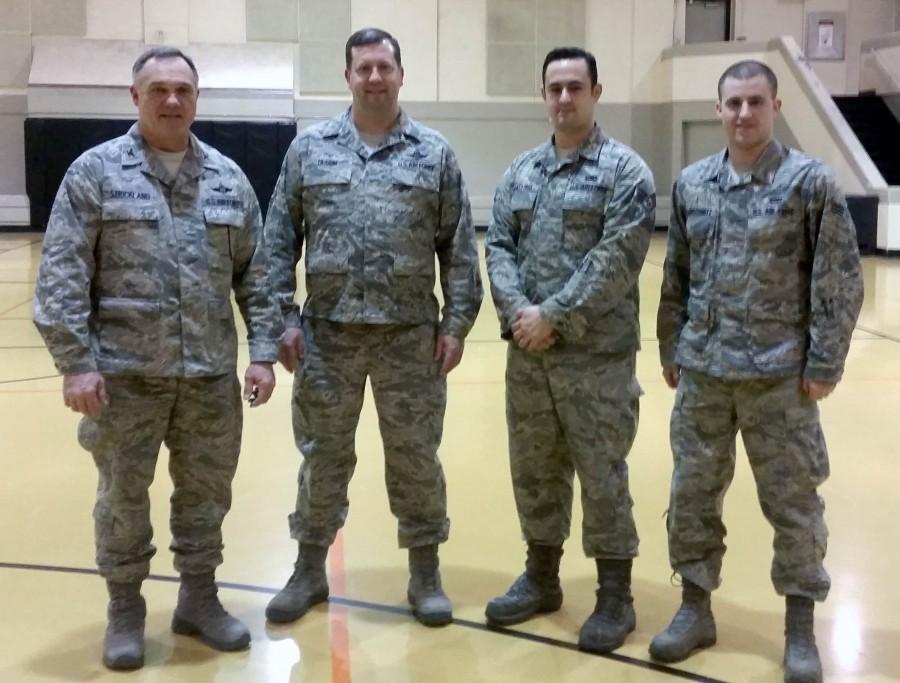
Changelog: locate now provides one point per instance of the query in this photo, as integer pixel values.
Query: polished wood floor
(52, 603)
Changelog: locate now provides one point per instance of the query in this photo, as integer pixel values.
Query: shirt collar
(762, 172)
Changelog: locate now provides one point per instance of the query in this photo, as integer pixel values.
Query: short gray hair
(162, 53)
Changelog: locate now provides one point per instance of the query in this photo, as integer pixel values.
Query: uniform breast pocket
(522, 206)
(129, 236)
(583, 218)
(701, 227)
(221, 225)
(224, 237)
(774, 235)
(418, 192)
(325, 189)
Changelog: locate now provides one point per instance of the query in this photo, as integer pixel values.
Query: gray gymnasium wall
(15, 58)
(12, 144)
(486, 135)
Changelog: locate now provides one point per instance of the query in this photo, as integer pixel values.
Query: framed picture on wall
(825, 35)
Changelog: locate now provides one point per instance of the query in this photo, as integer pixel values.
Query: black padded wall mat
(864, 210)
(51, 145)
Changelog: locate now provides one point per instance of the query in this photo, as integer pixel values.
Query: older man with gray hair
(148, 235)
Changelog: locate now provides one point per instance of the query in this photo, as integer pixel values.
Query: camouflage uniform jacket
(762, 276)
(571, 235)
(372, 222)
(137, 271)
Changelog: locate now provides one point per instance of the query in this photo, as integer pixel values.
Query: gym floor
(53, 603)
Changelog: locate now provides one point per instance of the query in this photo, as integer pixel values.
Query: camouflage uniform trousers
(200, 421)
(786, 449)
(570, 411)
(410, 398)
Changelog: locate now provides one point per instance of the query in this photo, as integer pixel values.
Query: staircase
(878, 131)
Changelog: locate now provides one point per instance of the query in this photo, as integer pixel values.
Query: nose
(565, 95)
(172, 100)
(375, 75)
(744, 111)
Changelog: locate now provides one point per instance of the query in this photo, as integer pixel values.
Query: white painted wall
(612, 48)
(217, 21)
(115, 19)
(626, 36)
(462, 53)
(181, 22)
(166, 21)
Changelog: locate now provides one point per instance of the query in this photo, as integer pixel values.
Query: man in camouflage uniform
(148, 234)
(761, 291)
(571, 225)
(373, 196)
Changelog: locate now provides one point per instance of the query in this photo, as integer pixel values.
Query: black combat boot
(123, 644)
(801, 656)
(307, 586)
(613, 618)
(430, 604)
(692, 627)
(199, 613)
(536, 591)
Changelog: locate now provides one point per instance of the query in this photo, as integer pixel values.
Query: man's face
(747, 110)
(374, 77)
(568, 94)
(165, 94)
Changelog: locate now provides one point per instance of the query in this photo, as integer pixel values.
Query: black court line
(882, 335)
(25, 379)
(402, 611)
(21, 246)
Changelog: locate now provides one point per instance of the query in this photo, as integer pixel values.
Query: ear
(347, 76)
(134, 94)
(776, 105)
(402, 74)
(596, 91)
(719, 108)
(543, 94)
